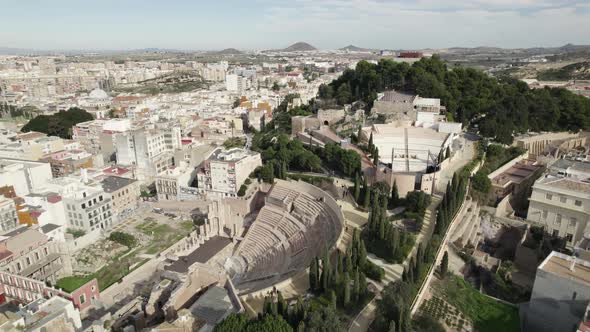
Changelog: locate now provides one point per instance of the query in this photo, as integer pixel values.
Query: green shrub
(122, 238)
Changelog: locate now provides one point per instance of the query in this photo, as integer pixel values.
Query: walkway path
(393, 272)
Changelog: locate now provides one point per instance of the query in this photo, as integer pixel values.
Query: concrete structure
(541, 143)
(226, 170)
(297, 222)
(467, 232)
(24, 176)
(31, 146)
(68, 161)
(514, 176)
(408, 149)
(562, 206)
(560, 295)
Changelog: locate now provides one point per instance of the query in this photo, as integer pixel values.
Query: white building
(226, 170)
(87, 207)
(235, 83)
(25, 176)
(562, 206)
(560, 295)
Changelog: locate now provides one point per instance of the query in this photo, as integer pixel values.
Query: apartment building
(226, 170)
(68, 161)
(29, 253)
(8, 215)
(124, 194)
(562, 206)
(31, 146)
(87, 207)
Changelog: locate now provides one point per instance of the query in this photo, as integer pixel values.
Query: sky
(265, 24)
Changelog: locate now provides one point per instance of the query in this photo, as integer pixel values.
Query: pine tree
(444, 265)
(357, 187)
(346, 285)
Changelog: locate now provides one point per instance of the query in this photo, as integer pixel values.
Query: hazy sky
(256, 24)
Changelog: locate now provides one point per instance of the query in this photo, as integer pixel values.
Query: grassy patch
(70, 284)
(487, 314)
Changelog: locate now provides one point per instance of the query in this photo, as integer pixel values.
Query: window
(83, 205)
(544, 214)
(569, 237)
(573, 222)
(555, 233)
(45, 251)
(548, 196)
(574, 295)
(562, 199)
(18, 267)
(82, 299)
(28, 261)
(558, 219)
(93, 288)
(578, 202)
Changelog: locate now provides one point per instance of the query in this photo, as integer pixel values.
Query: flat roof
(561, 265)
(114, 183)
(200, 255)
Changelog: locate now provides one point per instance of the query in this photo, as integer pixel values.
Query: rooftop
(200, 255)
(114, 183)
(561, 265)
(566, 184)
(397, 97)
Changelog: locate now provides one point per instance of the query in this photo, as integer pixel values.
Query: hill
(229, 51)
(299, 47)
(352, 48)
(576, 71)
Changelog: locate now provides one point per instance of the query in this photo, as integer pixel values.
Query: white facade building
(226, 170)
(25, 176)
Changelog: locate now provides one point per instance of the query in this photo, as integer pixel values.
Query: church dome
(98, 94)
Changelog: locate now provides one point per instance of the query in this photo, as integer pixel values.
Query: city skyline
(262, 24)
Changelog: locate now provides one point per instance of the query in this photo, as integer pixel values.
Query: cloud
(429, 23)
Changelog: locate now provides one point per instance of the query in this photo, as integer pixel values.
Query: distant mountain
(352, 48)
(299, 47)
(229, 51)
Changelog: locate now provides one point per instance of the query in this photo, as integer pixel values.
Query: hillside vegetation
(499, 108)
(575, 71)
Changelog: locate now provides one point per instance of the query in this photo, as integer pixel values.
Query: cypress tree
(284, 170)
(356, 286)
(391, 326)
(349, 263)
(448, 153)
(444, 264)
(367, 194)
(333, 299)
(371, 142)
(301, 326)
(313, 274)
(359, 134)
(394, 195)
(326, 271)
(362, 255)
(346, 285)
(376, 156)
(362, 284)
(281, 305)
(357, 187)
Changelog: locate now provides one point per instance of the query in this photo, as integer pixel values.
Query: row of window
(563, 199)
(28, 260)
(8, 280)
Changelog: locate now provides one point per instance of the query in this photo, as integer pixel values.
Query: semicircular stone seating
(297, 222)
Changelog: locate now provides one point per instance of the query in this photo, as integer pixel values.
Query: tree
(346, 285)
(58, 124)
(324, 319)
(370, 146)
(481, 182)
(122, 238)
(267, 323)
(444, 264)
(448, 152)
(233, 322)
(313, 275)
(394, 194)
(275, 87)
(376, 156)
(356, 291)
(326, 271)
(357, 187)
(367, 197)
